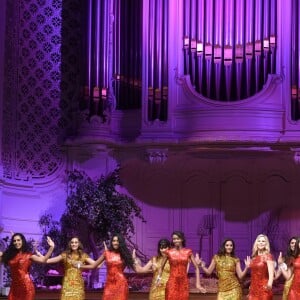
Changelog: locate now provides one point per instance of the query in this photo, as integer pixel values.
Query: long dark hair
(11, 250)
(180, 234)
(297, 249)
(289, 251)
(123, 250)
(162, 243)
(222, 250)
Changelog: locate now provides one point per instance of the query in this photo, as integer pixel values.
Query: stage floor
(93, 295)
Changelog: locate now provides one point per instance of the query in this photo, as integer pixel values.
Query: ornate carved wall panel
(41, 71)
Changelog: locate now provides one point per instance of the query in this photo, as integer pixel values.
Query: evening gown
(286, 288)
(229, 287)
(178, 284)
(157, 292)
(259, 278)
(294, 293)
(73, 283)
(116, 286)
(22, 287)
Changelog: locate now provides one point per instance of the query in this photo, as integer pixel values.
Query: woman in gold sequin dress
(73, 283)
(117, 257)
(157, 291)
(262, 270)
(19, 258)
(229, 271)
(179, 257)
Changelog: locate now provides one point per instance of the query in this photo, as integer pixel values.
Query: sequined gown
(286, 288)
(259, 278)
(158, 292)
(22, 287)
(294, 293)
(229, 287)
(116, 286)
(178, 284)
(73, 283)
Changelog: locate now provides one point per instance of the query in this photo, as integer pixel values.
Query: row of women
(169, 268)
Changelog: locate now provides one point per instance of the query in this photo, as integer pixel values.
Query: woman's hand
(280, 259)
(201, 288)
(105, 246)
(76, 264)
(199, 261)
(247, 261)
(50, 242)
(133, 254)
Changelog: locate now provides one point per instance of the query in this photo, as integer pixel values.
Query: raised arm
(239, 272)
(43, 258)
(285, 271)
(201, 263)
(90, 266)
(138, 268)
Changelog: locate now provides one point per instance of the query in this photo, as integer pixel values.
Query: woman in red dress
(19, 258)
(117, 257)
(262, 270)
(293, 270)
(179, 257)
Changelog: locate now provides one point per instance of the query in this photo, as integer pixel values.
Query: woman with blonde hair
(261, 265)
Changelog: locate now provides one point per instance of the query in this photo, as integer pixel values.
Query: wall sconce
(294, 92)
(266, 44)
(239, 53)
(217, 53)
(186, 42)
(199, 48)
(104, 93)
(96, 93)
(272, 40)
(193, 45)
(227, 55)
(208, 50)
(249, 50)
(257, 47)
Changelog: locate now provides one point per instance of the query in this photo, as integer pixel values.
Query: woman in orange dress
(262, 269)
(117, 257)
(19, 258)
(293, 270)
(179, 257)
